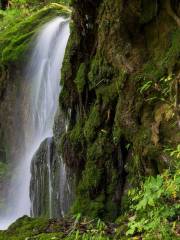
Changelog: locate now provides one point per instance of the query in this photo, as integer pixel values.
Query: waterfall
(49, 175)
(42, 75)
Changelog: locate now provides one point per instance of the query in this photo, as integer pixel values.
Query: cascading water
(49, 140)
(42, 75)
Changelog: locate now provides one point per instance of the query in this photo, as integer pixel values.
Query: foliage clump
(155, 207)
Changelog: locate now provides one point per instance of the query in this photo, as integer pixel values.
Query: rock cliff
(120, 94)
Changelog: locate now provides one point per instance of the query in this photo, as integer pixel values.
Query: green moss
(48, 236)
(78, 228)
(28, 223)
(97, 149)
(93, 123)
(74, 40)
(76, 138)
(91, 177)
(71, 146)
(69, 90)
(19, 45)
(144, 158)
(15, 39)
(89, 199)
(98, 182)
(121, 60)
(101, 72)
(117, 133)
(173, 52)
(76, 135)
(152, 72)
(97, 206)
(134, 166)
(112, 206)
(88, 207)
(163, 42)
(80, 80)
(92, 174)
(143, 137)
(24, 227)
(108, 94)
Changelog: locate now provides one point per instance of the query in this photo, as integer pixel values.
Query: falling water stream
(43, 75)
(49, 140)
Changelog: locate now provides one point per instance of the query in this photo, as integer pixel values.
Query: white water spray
(43, 75)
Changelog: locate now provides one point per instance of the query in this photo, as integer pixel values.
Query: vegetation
(152, 214)
(16, 33)
(6, 4)
(155, 207)
(67, 229)
(130, 117)
(120, 97)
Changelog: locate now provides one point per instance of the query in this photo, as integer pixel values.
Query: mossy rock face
(81, 78)
(115, 79)
(100, 72)
(93, 123)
